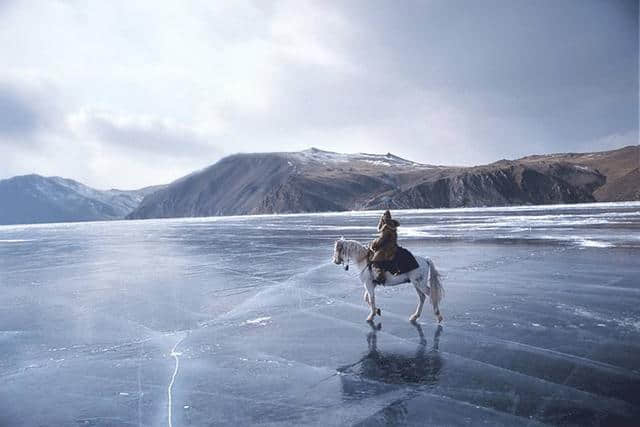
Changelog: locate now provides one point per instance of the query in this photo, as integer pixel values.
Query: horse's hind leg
(436, 310)
(421, 298)
(366, 298)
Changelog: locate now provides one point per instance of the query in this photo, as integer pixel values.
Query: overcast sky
(132, 93)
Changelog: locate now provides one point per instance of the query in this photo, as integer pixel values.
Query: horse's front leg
(372, 300)
(366, 297)
(421, 298)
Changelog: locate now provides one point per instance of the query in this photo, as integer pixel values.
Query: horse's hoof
(440, 318)
(413, 318)
(378, 312)
(370, 319)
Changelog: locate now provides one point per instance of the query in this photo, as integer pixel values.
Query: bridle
(340, 247)
(341, 260)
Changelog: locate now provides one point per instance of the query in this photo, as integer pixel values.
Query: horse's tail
(437, 291)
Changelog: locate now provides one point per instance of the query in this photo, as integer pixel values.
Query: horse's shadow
(377, 370)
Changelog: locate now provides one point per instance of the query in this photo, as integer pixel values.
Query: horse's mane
(355, 248)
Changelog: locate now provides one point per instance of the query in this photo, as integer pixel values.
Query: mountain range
(318, 181)
(315, 181)
(29, 199)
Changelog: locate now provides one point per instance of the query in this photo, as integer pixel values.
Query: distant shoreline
(373, 213)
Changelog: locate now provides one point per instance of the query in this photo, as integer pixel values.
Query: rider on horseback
(384, 247)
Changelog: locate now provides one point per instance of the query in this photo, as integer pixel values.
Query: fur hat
(392, 224)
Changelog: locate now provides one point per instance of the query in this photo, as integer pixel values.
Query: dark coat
(384, 247)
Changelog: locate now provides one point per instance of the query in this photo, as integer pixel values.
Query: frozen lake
(245, 320)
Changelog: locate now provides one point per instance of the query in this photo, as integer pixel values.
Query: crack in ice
(175, 355)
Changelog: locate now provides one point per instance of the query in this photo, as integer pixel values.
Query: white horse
(425, 278)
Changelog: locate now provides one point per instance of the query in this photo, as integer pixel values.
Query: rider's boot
(379, 275)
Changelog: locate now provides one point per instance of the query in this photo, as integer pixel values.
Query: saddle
(403, 262)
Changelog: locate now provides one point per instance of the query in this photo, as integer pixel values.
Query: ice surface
(245, 320)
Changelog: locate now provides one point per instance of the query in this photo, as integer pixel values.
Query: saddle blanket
(403, 262)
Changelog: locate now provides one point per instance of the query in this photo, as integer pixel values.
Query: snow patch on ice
(589, 243)
(258, 321)
(417, 232)
(625, 322)
(629, 323)
(342, 227)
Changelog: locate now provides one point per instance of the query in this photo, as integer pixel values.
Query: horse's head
(347, 251)
(338, 251)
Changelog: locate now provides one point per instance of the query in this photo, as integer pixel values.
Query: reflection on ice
(421, 367)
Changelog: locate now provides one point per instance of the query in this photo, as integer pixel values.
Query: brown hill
(620, 167)
(316, 181)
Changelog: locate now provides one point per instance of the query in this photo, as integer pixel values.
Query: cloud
(146, 134)
(17, 115)
(303, 33)
(28, 106)
(155, 90)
